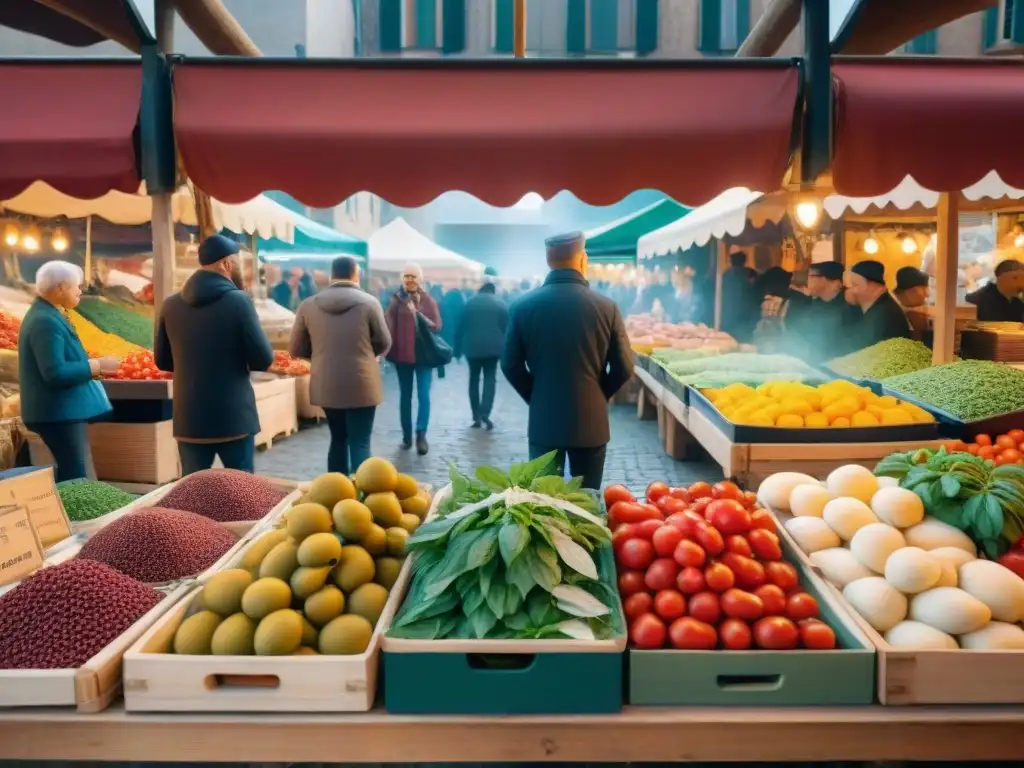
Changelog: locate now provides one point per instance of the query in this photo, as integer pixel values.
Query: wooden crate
(303, 407)
(276, 406)
(135, 453)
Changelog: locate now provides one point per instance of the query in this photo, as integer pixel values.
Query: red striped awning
(409, 131)
(946, 123)
(70, 124)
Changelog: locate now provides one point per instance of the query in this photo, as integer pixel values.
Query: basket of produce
(968, 397)
(838, 411)
(509, 605)
(868, 366)
(721, 610)
(648, 333)
(901, 549)
(293, 622)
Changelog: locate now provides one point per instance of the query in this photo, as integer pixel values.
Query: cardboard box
(34, 488)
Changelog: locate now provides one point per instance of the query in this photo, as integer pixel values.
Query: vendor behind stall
(815, 321)
(912, 292)
(999, 301)
(882, 317)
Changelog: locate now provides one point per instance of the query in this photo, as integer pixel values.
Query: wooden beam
(947, 258)
(216, 28)
(113, 26)
(519, 29)
(771, 30)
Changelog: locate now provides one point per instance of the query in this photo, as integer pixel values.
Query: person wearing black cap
(999, 301)
(815, 321)
(566, 354)
(210, 337)
(912, 292)
(882, 317)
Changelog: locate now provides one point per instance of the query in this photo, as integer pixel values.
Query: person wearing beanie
(407, 302)
(912, 287)
(999, 301)
(209, 336)
(567, 354)
(882, 317)
(815, 322)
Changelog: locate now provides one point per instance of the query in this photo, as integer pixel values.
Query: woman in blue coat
(59, 391)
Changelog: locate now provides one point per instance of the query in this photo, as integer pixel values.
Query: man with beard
(210, 337)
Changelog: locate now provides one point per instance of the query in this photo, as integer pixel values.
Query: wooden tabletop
(648, 735)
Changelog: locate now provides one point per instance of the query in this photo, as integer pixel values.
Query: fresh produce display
(1007, 448)
(224, 495)
(286, 365)
(749, 368)
(86, 499)
(98, 343)
(908, 574)
(512, 554)
(702, 568)
(140, 366)
(968, 492)
(795, 405)
(156, 545)
(10, 326)
(62, 616)
(647, 334)
(893, 357)
(113, 318)
(968, 389)
(320, 581)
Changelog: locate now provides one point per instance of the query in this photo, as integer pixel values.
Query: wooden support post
(678, 442)
(519, 29)
(721, 264)
(162, 221)
(947, 258)
(646, 405)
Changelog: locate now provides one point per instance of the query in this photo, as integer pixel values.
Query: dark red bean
(224, 495)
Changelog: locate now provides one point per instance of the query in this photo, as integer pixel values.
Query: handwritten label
(36, 491)
(20, 550)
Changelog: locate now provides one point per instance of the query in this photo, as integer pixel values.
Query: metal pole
(519, 38)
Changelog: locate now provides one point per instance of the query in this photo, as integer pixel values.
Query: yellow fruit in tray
(376, 475)
(352, 519)
(327, 490)
(265, 596)
(259, 548)
(385, 508)
(234, 636)
(355, 568)
(406, 487)
(223, 593)
(841, 408)
(322, 606)
(896, 416)
(306, 519)
(409, 522)
(790, 421)
(346, 635)
(875, 410)
(310, 634)
(417, 505)
(816, 420)
(839, 421)
(306, 581)
(279, 634)
(195, 634)
(368, 601)
(863, 419)
(304, 650)
(918, 414)
(396, 539)
(281, 561)
(794, 407)
(887, 401)
(376, 541)
(387, 570)
(759, 419)
(319, 550)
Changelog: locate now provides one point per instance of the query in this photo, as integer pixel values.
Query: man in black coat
(999, 301)
(567, 353)
(815, 322)
(883, 318)
(480, 337)
(210, 337)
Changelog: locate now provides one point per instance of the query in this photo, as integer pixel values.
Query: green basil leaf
(512, 540)
(993, 518)
(949, 486)
(542, 465)
(493, 478)
(513, 600)
(430, 532)
(472, 599)
(520, 575)
(496, 598)
(487, 574)
(482, 621)
(547, 573)
(428, 629)
(538, 606)
(516, 621)
(483, 549)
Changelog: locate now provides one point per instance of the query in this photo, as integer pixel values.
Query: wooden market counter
(635, 735)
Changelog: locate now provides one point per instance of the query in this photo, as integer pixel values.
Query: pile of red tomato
(701, 568)
(286, 365)
(139, 366)
(1005, 449)
(10, 327)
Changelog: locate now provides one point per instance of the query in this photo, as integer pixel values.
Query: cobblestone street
(635, 457)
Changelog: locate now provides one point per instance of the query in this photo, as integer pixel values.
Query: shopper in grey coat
(342, 330)
(481, 337)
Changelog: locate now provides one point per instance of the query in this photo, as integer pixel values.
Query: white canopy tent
(398, 243)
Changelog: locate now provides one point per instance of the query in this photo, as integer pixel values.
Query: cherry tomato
(661, 574)
(973, 449)
(648, 632)
(750, 574)
(653, 512)
(765, 544)
(623, 533)
(987, 452)
(749, 500)
(699, 505)
(709, 537)
(726, 490)
(630, 512)
(719, 578)
(817, 635)
(666, 539)
(615, 493)
(670, 505)
(801, 606)
(735, 635)
(669, 604)
(982, 440)
(631, 582)
(728, 516)
(1017, 435)
(689, 554)
(739, 545)
(704, 606)
(762, 518)
(1005, 441)
(690, 581)
(774, 599)
(647, 528)
(655, 491)
(783, 575)
(681, 521)
(1010, 456)
(678, 492)
(700, 490)
(637, 604)
(738, 604)
(776, 633)
(636, 554)
(690, 634)
(1014, 560)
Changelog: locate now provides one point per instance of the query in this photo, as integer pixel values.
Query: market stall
(616, 242)
(397, 243)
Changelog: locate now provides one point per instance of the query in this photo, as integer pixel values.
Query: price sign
(21, 553)
(34, 488)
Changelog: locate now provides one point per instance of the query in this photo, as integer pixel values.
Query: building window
(989, 28)
(926, 44)
(724, 25)
(422, 25)
(504, 25)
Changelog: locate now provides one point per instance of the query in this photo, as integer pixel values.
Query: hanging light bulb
(59, 240)
(909, 245)
(11, 235)
(30, 240)
(871, 245)
(807, 213)
(1018, 241)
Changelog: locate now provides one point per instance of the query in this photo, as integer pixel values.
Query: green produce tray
(505, 677)
(798, 678)
(954, 427)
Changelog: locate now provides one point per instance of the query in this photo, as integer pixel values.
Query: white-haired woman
(59, 393)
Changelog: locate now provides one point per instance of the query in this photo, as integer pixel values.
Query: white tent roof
(398, 243)
(259, 216)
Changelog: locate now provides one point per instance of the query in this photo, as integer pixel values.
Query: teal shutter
(576, 27)
(390, 25)
(1013, 21)
(426, 24)
(453, 26)
(646, 26)
(710, 27)
(990, 28)
(742, 21)
(504, 26)
(924, 44)
(604, 25)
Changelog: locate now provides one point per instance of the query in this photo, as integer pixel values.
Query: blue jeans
(350, 437)
(68, 441)
(424, 377)
(234, 454)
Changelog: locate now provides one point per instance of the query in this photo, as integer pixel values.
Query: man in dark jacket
(480, 337)
(882, 317)
(999, 301)
(567, 353)
(210, 337)
(815, 321)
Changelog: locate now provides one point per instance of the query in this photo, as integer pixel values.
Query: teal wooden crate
(845, 676)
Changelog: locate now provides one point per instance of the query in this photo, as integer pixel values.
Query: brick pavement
(635, 456)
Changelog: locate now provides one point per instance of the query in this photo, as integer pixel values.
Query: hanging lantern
(59, 240)
(909, 245)
(31, 240)
(871, 245)
(11, 234)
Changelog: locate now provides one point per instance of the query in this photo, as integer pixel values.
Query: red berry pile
(701, 568)
(139, 366)
(224, 495)
(10, 326)
(286, 365)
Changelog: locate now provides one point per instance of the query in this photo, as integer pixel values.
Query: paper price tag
(20, 550)
(36, 490)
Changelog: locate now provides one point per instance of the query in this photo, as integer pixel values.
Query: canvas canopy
(616, 242)
(398, 243)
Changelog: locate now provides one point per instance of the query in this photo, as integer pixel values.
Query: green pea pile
(88, 499)
(968, 389)
(118, 320)
(883, 360)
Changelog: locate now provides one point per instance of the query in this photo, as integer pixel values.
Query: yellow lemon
(816, 420)
(863, 419)
(813, 399)
(790, 421)
(888, 401)
(896, 416)
(875, 410)
(918, 414)
(840, 421)
(795, 407)
(759, 419)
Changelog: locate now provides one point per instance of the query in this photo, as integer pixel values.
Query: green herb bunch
(970, 493)
(522, 571)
